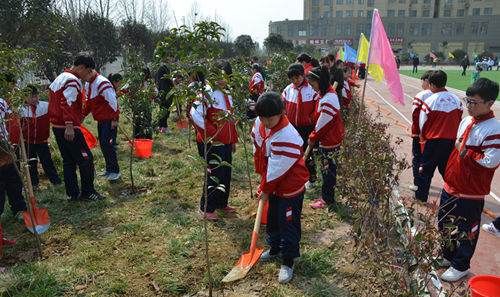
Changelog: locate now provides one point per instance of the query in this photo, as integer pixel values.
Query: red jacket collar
(281, 124)
(69, 70)
(94, 77)
(484, 117)
(303, 84)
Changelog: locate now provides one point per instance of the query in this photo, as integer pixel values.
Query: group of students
(306, 113)
(466, 152)
(70, 101)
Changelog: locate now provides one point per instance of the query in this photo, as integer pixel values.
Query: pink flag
(382, 55)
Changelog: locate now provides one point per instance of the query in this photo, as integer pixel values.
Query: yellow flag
(363, 47)
(376, 72)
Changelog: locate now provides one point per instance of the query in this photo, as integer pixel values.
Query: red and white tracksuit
(211, 117)
(418, 101)
(299, 104)
(36, 125)
(469, 175)
(346, 95)
(256, 84)
(65, 100)
(101, 100)
(329, 130)
(278, 157)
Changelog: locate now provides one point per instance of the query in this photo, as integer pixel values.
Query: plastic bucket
(182, 124)
(89, 137)
(143, 148)
(485, 286)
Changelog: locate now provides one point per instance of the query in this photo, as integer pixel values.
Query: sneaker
(285, 275)
(113, 176)
(211, 216)
(267, 256)
(318, 204)
(92, 197)
(413, 188)
(490, 228)
(309, 185)
(229, 209)
(443, 263)
(453, 275)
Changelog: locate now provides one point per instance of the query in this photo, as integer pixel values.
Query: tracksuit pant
(435, 154)
(415, 162)
(465, 216)
(304, 132)
(107, 141)
(329, 174)
(11, 185)
(219, 176)
(283, 226)
(76, 153)
(41, 151)
(165, 104)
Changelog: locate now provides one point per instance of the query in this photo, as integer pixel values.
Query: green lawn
(455, 80)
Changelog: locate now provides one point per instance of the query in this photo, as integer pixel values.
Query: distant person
(416, 62)
(476, 73)
(256, 86)
(164, 84)
(398, 62)
(306, 61)
(493, 227)
(465, 64)
(468, 178)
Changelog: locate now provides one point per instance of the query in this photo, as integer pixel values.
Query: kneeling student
(279, 161)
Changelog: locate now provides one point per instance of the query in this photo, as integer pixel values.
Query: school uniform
(65, 106)
(299, 107)
(103, 104)
(279, 160)
(328, 133)
(417, 103)
(468, 178)
(346, 97)
(256, 87)
(221, 135)
(36, 132)
(439, 118)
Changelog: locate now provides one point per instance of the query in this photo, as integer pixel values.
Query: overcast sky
(242, 16)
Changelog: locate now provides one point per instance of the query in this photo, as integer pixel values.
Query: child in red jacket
(328, 133)
(279, 161)
(36, 132)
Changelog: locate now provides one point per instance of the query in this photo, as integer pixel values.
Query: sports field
(455, 80)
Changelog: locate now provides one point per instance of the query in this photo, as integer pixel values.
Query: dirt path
(398, 117)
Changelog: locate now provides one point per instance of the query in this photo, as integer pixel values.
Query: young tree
(134, 34)
(275, 43)
(244, 45)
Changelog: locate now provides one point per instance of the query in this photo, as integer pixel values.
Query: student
(418, 101)
(305, 60)
(468, 178)
(439, 119)
(476, 74)
(328, 134)
(11, 119)
(164, 84)
(256, 87)
(116, 80)
(299, 101)
(103, 104)
(280, 163)
(493, 228)
(219, 134)
(36, 132)
(65, 115)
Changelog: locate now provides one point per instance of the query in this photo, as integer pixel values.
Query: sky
(250, 17)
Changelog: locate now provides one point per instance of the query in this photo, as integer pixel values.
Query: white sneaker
(267, 256)
(309, 185)
(113, 176)
(443, 263)
(413, 188)
(453, 275)
(285, 275)
(490, 228)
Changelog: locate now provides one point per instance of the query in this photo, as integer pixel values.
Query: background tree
(275, 43)
(100, 38)
(244, 45)
(135, 34)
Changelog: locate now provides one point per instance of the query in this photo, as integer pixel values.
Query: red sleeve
(210, 122)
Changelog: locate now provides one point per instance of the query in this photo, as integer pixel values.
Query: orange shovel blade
(41, 220)
(244, 264)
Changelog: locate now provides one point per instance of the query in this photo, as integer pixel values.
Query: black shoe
(73, 198)
(92, 197)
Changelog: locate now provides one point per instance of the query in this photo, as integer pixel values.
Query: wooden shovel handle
(308, 152)
(256, 226)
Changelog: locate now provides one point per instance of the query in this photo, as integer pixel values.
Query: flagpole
(368, 61)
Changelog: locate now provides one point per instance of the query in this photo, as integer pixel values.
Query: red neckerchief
(283, 122)
(475, 120)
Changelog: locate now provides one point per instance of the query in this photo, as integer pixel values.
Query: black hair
(295, 70)
(199, 76)
(338, 62)
(256, 67)
(426, 75)
(337, 75)
(116, 77)
(269, 104)
(315, 62)
(322, 76)
(438, 78)
(32, 90)
(484, 88)
(228, 69)
(86, 61)
(331, 57)
(304, 58)
(146, 73)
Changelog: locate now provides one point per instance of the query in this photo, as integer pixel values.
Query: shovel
(248, 259)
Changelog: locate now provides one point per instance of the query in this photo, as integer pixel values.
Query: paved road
(486, 259)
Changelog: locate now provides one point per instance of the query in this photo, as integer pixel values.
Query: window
(488, 11)
(413, 1)
(339, 13)
(474, 29)
(327, 2)
(426, 29)
(460, 13)
(327, 14)
(340, 2)
(413, 13)
(315, 3)
(447, 13)
(361, 1)
(347, 29)
(361, 13)
(348, 1)
(349, 13)
(302, 33)
(483, 30)
(413, 29)
(400, 29)
(369, 14)
(391, 13)
(401, 12)
(360, 28)
(370, 3)
(338, 29)
(459, 29)
(402, 1)
(426, 13)
(391, 29)
(446, 29)
(476, 11)
(448, 2)
(315, 14)
(427, 1)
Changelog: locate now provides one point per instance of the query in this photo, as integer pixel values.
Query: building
(418, 26)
